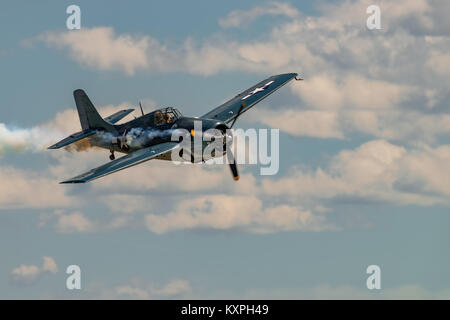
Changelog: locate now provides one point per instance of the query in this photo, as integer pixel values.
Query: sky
(364, 147)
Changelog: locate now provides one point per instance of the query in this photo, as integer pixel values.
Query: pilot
(159, 118)
(168, 117)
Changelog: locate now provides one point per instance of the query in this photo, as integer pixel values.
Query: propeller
(230, 155)
(123, 141)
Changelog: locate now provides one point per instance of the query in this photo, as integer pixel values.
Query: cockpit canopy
(166, 116)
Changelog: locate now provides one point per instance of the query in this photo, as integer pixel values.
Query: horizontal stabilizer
(118, 115)
(72, 138)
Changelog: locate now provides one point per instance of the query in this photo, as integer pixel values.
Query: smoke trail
(39, 138)
(36, 139)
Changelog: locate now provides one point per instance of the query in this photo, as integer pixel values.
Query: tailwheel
(111, 156)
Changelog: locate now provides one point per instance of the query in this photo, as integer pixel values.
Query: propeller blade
(123, 140)
(238, 114)
(142, 110)
(233, 166)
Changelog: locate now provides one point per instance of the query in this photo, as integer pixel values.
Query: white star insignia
(258, 90)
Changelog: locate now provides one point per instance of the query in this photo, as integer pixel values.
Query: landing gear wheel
(111, 156)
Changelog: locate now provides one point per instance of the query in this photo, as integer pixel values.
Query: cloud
(132, 292)
(78, 222)
(49, 265)
(183, 289)
(40, 189)
(335, 42)
(341, 292)
(352, 91)
(375, 171)
(357, 81)
(312, 123)
(439, 63)
(29, 274)
(25, 274)
(241, 213)
(23, 188)
(175, 288)
(101, 48)
(237, 18)
(73, 222)
(406, 127)
(371, 82)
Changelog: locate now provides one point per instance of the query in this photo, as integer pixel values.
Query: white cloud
(313, 123)
(25, 273)
(410, 127)
(379, 84)
(78, 222)
(375, 171)
(30, 189)
(175, 288)
(73, 222)
(29, 274)
(335, 43)
(49, 265)
(369, 82)
(101, 48)
(237, 18)
(341, 292)
(182, 289)
(328, 92)
(40, 189)
(439, 63)
(130, 292)
(242, 213)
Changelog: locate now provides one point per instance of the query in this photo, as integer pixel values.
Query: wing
(118, 115)
(124, 162)
(247, 99)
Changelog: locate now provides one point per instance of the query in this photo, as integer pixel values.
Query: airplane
(153, 130)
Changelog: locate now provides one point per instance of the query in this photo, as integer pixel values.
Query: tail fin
(89, 117)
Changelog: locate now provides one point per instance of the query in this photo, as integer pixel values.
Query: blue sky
(364, 176)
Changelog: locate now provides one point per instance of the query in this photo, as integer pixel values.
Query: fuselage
(151, 129)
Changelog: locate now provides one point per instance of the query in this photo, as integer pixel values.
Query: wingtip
(71, 181)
